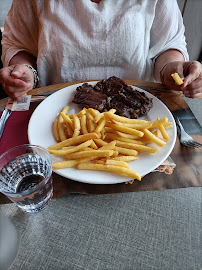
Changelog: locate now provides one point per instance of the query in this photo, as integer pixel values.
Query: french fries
(177, 78)
(90, 140)
(73, 141)
(110, 168)
(61, 131)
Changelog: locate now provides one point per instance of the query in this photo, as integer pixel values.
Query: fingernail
(16, 73)
(184, 85)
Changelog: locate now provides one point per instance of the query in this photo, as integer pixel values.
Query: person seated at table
(78, 40)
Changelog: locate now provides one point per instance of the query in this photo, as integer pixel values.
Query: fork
(185, 139)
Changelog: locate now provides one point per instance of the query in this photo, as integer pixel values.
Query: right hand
(190, 72)
(17, 80)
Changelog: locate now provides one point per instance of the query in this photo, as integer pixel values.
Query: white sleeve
(167, 30)
(20, 30)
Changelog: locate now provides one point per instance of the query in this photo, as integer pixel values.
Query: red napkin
(15, 131)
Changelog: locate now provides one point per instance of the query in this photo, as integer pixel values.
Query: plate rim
(122, 179)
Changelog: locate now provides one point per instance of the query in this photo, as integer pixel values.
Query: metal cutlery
(185, 139)
(6, 113)
(9, 108)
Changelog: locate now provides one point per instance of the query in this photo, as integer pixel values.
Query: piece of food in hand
(177, 78)
(114, 93)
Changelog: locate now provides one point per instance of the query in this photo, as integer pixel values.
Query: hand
(189, 72)
(17, 80)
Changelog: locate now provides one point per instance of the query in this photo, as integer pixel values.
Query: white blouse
(81, 40)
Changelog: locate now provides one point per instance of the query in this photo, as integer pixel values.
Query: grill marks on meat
(114, 93)
(86, 95)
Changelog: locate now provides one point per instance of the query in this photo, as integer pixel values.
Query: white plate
(40, 133)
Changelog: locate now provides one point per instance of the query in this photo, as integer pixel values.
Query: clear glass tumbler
(26, 176)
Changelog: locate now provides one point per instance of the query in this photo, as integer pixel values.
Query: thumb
(193, 72)
(188, 79)
(17, 72)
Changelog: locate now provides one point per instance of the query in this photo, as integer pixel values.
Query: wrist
(162, 74)
(35, 74)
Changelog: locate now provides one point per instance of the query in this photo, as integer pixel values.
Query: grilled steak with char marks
(114, 93)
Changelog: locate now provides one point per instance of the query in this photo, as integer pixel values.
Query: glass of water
(26, 176)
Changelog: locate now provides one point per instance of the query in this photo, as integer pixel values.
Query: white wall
(4, 8)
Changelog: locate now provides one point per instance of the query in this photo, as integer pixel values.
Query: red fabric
(15, 131)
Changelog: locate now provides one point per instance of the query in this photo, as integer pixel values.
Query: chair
(1, 65)
(200, 57)
(2, 93)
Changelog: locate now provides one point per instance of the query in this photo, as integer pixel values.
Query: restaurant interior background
(177, 243)
(4, 7)
(191, 11)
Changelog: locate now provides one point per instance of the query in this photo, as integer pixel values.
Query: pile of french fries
(90, 140)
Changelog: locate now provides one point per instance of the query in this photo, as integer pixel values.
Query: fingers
(22, 72)
(7, 78)
(192, 86)
(17, 80)
(16, 96)
(192, 71)
(189, 72)
(16, 83)
(15, 93)
(170, 68)
(17, 72)
(193, 89)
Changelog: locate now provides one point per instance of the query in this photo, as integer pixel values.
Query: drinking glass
(26, 176)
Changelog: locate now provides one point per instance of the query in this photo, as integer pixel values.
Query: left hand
(189, 72)
(17, 80)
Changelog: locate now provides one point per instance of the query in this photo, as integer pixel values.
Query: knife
(13, 106)
(6, 113)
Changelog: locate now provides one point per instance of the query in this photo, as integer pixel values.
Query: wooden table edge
(41, 90)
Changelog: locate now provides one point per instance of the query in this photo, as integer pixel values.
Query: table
(157, 228)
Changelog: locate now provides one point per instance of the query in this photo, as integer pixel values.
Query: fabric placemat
(15, 131)
(187, 173)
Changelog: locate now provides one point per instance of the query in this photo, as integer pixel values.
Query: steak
(114, 93)
(86, 95)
